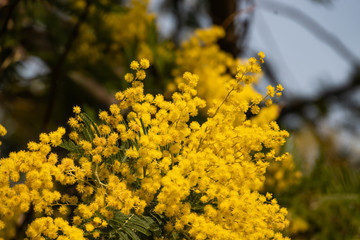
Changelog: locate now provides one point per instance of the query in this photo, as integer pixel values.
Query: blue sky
(305, 64)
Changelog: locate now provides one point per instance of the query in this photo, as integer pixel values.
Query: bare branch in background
(298, 106)
(230, 19)
(56, 69)
(98, 91)
(312, 26)
(220, 11)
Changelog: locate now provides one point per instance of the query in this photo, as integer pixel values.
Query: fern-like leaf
(133, 227)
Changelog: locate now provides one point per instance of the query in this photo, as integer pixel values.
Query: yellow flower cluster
(148, 155)
(281, 175)
(201, 55)
(130, 27)
(50, 227)
(2, 132)
(121, 27)
(220, 167)
(38, 165)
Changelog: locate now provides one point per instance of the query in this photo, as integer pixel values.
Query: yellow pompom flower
(134, 65)
(140, 75)
(261, 54)
(129, 77)
(144, 63)
(2, 132)
(270, 91)
(76, 109)
(279, 88)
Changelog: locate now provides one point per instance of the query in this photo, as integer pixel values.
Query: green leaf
(90, 125)
(131, 234)
(123, 236)
(143, 127)
(133, 227)
(70, 146)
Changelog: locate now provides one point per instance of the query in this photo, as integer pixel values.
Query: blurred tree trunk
(219, 12)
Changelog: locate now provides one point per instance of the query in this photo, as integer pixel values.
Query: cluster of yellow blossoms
(202, 55)
(148, 157)
(280, 176)
(2, 132)
(122, 27)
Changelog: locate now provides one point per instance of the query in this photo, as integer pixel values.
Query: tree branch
(312, 26)
(230, 19)
(56, 69)
(220, 11)
(95, 89)
(298, 106)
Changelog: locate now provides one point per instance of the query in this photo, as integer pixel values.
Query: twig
(230, 19)
(98, 91)
(97, 176)
(219, 11)
(297, 106)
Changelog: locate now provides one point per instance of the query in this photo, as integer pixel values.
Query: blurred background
(60, 53)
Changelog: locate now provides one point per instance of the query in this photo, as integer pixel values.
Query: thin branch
(219, 11)
(312, 26)
(230, 19)
(97, 176)
(298, 106)
(98, 91)
(269, 67)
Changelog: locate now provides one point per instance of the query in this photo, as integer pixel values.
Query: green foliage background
(323, 204)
